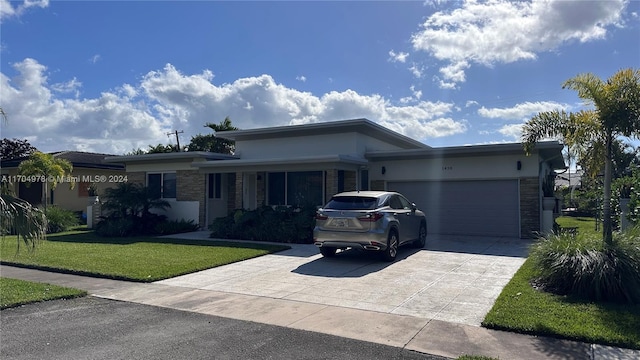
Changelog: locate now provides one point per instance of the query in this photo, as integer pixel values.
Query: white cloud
(522, 111)
(71, 86)
(427, 129)
(512, 130)
(95, 58)
(416, 93)
(445, 85)
(502, 31)
(301, 78)
(136, 115)
(417, 70)
(398, 57)
(471, 103)
(7, 9)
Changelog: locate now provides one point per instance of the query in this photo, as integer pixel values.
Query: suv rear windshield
(352, 203)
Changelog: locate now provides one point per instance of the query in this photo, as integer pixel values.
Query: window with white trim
(295, 188)
(162, 185)
(215, 186)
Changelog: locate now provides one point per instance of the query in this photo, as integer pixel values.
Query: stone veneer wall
(139, 177)
(529, 207)
(231, 192)
(191, 186)
(331, 184)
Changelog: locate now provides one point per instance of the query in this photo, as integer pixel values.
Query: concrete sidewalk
(409, 332)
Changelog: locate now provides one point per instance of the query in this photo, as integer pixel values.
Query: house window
(276, 188)
(162, 185)
(215, 186)
(295, 188)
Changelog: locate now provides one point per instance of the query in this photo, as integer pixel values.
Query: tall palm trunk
(607, 227)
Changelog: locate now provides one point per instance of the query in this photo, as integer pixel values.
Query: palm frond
(544, 125)
(21, 218)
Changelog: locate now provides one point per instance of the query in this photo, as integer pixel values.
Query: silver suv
(369, 220)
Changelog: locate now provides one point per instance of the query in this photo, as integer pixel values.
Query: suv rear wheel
(328, 251)
(391, 251)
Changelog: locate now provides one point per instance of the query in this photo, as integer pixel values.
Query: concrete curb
(413, 333)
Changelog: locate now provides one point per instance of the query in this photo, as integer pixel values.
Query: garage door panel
(466, 207)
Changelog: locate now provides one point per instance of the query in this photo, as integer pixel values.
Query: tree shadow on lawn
(90, 237)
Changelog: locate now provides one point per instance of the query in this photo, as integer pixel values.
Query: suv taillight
(371, 217)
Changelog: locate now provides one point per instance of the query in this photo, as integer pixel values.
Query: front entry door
(249, 184)
(217, 196)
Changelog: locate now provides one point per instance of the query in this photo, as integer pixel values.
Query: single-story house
(491, 190)
(88, 168)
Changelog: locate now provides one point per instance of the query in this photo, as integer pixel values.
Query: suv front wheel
(391, 251)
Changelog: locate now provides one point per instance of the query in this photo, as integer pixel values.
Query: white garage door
(489, 208)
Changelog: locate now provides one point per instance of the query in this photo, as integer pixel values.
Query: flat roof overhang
(550, 151)
(172, 156)
(309, 163)
(362, 126)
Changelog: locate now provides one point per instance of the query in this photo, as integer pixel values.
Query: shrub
(115, 227)
(175, 227)
(59, 219)
(588, 268)
(277, 224)
(128, 206)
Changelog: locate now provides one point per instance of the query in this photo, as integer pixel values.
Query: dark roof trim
(184, 155)
(76, 158)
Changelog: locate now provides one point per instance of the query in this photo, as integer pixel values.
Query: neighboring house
(572, 179)
(88, 168)
(468, 190)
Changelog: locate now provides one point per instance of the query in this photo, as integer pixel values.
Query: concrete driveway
(453, 279)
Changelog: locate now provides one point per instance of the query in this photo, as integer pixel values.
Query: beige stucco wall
(455, 168)
(317, 145)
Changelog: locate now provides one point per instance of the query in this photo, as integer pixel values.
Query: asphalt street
(95, 328)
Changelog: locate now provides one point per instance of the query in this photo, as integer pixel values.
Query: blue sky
(114, 76)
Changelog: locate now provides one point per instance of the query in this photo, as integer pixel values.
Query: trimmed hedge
(275, 224)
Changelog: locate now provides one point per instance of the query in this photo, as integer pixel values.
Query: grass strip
(15, 292)
(521, 308)
(142, 259)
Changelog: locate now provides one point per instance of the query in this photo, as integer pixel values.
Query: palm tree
(47, 167)
(19, 217)
(616, 113)
(213, 143)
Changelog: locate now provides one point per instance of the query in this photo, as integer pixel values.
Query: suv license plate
(342, 223)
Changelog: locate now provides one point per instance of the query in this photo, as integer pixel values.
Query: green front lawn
(585, 225)
(521, 308)
(19, 292)
(143, 259)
